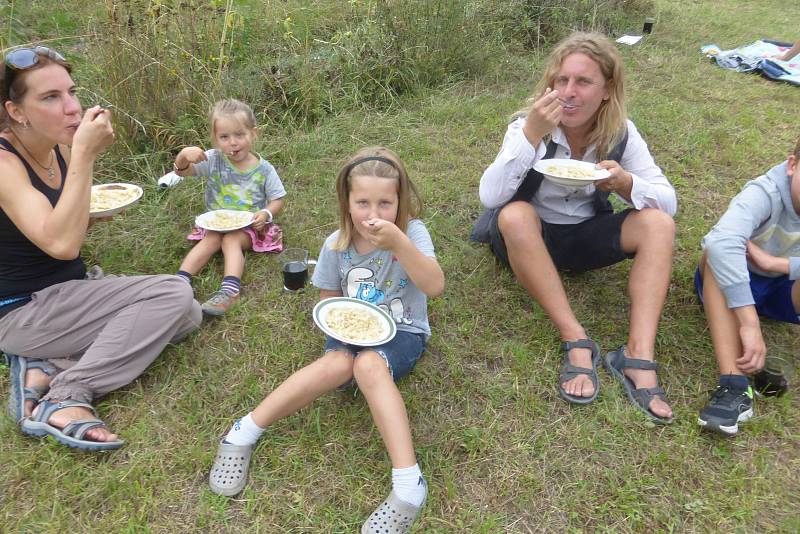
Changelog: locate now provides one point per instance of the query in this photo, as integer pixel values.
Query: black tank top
(24, 267)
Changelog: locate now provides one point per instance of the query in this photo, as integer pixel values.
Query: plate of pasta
(354, 321)
(570, 172)
(110, 199)
(224, 220)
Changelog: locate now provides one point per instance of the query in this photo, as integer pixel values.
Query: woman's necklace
(51, 174)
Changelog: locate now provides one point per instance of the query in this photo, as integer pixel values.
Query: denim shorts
(400, 353)
(772, 296)
(576, 248)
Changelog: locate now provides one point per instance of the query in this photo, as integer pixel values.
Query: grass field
(500, 450)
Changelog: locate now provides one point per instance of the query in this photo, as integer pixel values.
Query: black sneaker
(726, 409)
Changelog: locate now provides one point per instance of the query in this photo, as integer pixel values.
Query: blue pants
(400, 353)
(773, 296)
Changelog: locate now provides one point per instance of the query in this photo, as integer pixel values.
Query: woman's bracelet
(269, 214)
(176, 169)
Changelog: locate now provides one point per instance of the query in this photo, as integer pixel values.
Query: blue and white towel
(758, 57)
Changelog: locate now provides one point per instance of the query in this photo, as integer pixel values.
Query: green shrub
(540, 23)
(163, 62)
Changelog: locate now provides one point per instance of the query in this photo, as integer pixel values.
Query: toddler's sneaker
(726, 409)
(393, 516)
(219, 303)
(169, 179)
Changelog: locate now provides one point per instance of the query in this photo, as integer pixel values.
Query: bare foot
(65, 416)
(581, 385)
(34, 378)
(648, 379)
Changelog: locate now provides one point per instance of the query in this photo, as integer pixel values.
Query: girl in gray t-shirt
(381, 254)
(239, 180)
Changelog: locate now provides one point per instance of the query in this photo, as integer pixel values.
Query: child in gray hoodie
(750, 263)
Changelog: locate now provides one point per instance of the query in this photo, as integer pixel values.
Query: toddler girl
(382, 254)
(238, 180)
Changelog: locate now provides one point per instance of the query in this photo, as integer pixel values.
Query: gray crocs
(393, 516)
(569, 371)
(228, 475)
(615, 363)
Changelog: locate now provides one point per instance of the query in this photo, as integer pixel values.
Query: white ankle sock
(409, 485)
(245, 431)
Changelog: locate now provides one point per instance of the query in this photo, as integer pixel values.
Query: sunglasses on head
(26, 58)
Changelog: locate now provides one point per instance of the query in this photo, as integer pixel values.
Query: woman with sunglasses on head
(69, 339)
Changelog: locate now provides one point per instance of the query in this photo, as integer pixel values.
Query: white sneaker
(169, 179)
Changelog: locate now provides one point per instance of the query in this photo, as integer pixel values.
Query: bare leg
(796, 297)
(197, 258)
(233, 245)
(722, 323)
(649, 234)
(387, 407)
(304, 386)
(532, 265)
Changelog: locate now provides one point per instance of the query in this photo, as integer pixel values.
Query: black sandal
(615, 362)
(569, 371)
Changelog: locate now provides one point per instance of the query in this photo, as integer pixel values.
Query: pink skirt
(271, 242)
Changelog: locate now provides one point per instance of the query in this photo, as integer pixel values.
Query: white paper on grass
(629, 39)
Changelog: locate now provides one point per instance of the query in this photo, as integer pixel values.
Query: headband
(349, 168)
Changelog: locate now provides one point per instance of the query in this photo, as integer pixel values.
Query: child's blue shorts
(400, 353)
(773, 296)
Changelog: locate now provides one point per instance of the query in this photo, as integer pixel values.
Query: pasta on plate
(358, 325)
(220, 220)
(110, 197)
(564, 171)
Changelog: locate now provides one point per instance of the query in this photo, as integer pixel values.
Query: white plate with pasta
(570, 172)
(224, 220)
(354, 321)
(110, 199)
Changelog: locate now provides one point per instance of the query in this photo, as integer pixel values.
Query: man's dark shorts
(575, 248)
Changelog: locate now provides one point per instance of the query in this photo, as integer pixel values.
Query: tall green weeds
(538, 23)
(163, 62)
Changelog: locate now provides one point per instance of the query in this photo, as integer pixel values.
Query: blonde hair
(797, 150)
(409, 202)
(230, 107)
(609, 126)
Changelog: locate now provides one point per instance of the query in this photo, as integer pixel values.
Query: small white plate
(115, 186)
(561, 179)
(323, 307)
(206, 220)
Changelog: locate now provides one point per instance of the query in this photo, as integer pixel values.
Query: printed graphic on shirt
(229, 188)
(361, 285)
(232, 196)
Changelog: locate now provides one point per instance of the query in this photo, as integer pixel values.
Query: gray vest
(530, 186)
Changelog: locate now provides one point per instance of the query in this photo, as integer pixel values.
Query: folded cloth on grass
(758, 57)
